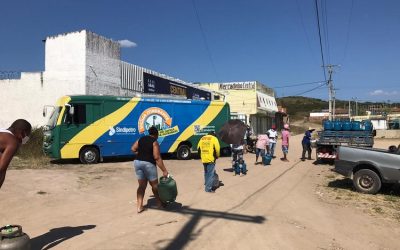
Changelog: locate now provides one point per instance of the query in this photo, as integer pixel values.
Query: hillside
(298, 106)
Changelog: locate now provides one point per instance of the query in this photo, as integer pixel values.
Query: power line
(204, 39)
(297, 84)
(348, 30)
(315, 88)
(307, 91)
(326, 30)
(304, 29)
(320, 39)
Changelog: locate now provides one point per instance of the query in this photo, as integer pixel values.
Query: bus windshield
(53, 118)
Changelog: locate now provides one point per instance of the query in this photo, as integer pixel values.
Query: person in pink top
(261, 145)
(285, 141)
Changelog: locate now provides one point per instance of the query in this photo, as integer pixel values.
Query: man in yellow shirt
(209, 152)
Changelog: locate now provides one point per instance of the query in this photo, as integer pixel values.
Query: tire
(89, 155)
(367, 181)
(250, 149)
(183, 152)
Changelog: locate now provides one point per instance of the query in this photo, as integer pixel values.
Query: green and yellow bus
(93, 127)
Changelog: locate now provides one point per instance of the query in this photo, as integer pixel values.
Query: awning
(266, 102)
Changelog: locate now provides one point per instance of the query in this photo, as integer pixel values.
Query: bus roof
(149, 98)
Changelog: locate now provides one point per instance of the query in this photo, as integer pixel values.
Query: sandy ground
(273, 207)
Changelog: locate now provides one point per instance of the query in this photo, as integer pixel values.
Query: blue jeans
(259, 152)
(145, 170)
(272, 148)
(209, 170)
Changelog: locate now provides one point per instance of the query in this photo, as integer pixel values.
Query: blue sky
(274, 42)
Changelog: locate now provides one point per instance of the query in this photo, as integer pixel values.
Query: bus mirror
(45, 108)
(70, 109)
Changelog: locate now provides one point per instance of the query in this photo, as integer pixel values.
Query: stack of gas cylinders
(338, 125)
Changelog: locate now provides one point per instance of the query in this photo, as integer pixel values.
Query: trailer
(329, 140)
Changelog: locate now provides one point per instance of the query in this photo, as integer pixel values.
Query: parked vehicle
(335, 134)
(93, 127)
(251, 144)
(368, 167)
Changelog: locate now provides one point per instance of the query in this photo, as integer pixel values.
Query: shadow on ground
(187, 233)
(57, 235)
(342, 184)
(347, 184)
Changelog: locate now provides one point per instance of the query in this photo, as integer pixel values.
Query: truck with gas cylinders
(342, 133)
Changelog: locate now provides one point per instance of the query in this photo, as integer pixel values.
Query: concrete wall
(64, 75)
(19, 99)
(103, 66)
(76, 63)
(65, 60)
(393, 134)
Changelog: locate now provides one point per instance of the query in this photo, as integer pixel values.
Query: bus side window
(79, 114)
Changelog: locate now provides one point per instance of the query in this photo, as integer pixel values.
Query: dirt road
(273, 207)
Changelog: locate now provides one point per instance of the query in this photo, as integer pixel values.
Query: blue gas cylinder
(337, 125)
(328, 125)
(368, 125)
(356, 125)
(346, 126)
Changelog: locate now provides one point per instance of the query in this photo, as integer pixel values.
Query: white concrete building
(79, 62)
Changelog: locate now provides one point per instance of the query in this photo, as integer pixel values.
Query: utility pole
(334, 103)
(355, 99)
(330, 88)
(349, 109)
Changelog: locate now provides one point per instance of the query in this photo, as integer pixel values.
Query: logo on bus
(121, 130)
(158, 118)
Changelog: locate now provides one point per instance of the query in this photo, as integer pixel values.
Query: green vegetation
(298, 106)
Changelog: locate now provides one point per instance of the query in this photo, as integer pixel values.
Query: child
(285, 141)
(238, 164)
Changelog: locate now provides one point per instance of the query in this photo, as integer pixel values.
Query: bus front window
(53, 118)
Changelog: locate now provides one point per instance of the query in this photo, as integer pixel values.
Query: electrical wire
(348, 30)
(326, 30)
(304, 29)
(297, 84)
(320, 39)
(205, 39)
(307, 91)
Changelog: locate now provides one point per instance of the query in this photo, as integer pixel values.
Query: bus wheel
(183, 152)
(89, 155)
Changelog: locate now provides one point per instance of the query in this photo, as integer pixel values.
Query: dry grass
(31, 163)
(31, 155)
(339, 190)
(300, 126)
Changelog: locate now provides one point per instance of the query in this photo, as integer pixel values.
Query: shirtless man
(10, 140)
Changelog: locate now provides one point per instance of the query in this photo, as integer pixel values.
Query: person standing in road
(209, 151)
(273, 134)
(10, 140)
(261, 146)
(148, 156)
(285, 141)
(306, 143)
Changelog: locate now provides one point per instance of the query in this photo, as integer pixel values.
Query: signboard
(237, 85)
(266, 102)
(157, 85)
